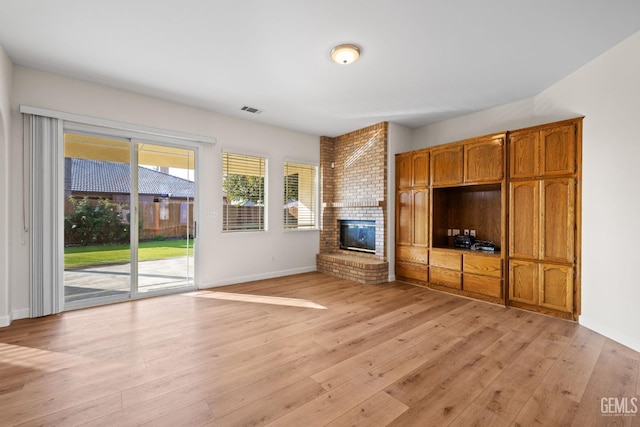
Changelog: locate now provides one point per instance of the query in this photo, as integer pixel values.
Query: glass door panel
(97, 218)
(166, 201)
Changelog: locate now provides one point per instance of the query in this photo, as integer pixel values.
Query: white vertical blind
(45, 135)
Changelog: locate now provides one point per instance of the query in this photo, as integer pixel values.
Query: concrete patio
(100, 281)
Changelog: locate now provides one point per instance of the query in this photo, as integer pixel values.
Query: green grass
(84, 256)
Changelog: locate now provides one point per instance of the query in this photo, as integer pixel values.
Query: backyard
(83, 256)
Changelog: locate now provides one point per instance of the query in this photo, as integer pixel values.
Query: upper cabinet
(477, 160)
(404, 171)
(420, 165)
(412, 169)
(558, 150)
(484, 160)
(543, 151)
(446, 165)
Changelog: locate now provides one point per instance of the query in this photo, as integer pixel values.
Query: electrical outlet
(449, 232)
(456, 232)
(466, 231)
(472, 233)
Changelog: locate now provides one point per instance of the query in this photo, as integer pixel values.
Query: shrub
(95, 223)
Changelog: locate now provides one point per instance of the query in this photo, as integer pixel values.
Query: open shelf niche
(474, 207)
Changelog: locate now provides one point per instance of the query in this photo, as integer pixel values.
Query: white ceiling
(422, 60)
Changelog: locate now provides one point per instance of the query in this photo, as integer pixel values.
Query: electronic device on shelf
(463, 241)
(483, 245)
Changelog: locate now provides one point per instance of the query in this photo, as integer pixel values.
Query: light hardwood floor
(310, 350)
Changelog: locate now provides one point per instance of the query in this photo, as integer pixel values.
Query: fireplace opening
(357, 235)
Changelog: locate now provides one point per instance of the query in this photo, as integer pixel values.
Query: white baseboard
(15, 315)
(392, 278)
(21, 313)
(262, 276)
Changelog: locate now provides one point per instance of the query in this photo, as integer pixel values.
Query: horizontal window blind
(243, 192)
(300, 195)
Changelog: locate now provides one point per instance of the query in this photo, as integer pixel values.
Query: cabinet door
(404, 171)
(484, 161)
(558, 150)
(404, 217)
(524, 154)
(523, 282)
(524, 221)
(558, 220)
(421, 217)
(421, 169)
(446, 166)
(556, 287)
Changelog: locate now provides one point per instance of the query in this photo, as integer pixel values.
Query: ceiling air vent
(251, 110)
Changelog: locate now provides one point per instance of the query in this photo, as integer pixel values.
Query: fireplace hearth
(358, 235)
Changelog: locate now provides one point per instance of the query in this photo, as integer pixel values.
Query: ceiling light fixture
(345, 54)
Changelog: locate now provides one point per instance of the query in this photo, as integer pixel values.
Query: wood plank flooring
(311, 350)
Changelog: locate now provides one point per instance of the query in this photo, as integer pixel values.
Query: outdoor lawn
(84, 256)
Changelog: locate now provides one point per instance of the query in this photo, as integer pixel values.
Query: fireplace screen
(358, 235)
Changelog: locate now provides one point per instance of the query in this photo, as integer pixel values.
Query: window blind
(300, 195)
(243, 185)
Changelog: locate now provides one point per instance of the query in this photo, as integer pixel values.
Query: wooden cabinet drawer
(444, 277)
(484, 265)
(412, 271)
(412, 254)
(450, 260)
(482, 285)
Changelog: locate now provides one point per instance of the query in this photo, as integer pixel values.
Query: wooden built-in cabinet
(544, 222)
(455, 186)
(412, 215)
(519, 189)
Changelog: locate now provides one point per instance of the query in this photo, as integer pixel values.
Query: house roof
(97, 176)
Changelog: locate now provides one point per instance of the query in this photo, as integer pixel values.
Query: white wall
(6, 72)
(224, 258)
(398, 141)
(607, 92)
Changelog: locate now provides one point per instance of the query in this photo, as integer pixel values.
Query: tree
(95, 223)
(244, 188)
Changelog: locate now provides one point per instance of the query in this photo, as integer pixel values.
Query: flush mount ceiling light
(345, 54)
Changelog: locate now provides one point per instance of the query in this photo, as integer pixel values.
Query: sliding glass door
(129, 223)
(166, 231)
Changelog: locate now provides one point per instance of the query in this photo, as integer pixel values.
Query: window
(300, 196)
(243, 192)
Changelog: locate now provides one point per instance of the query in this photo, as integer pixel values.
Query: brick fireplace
(353, 170)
